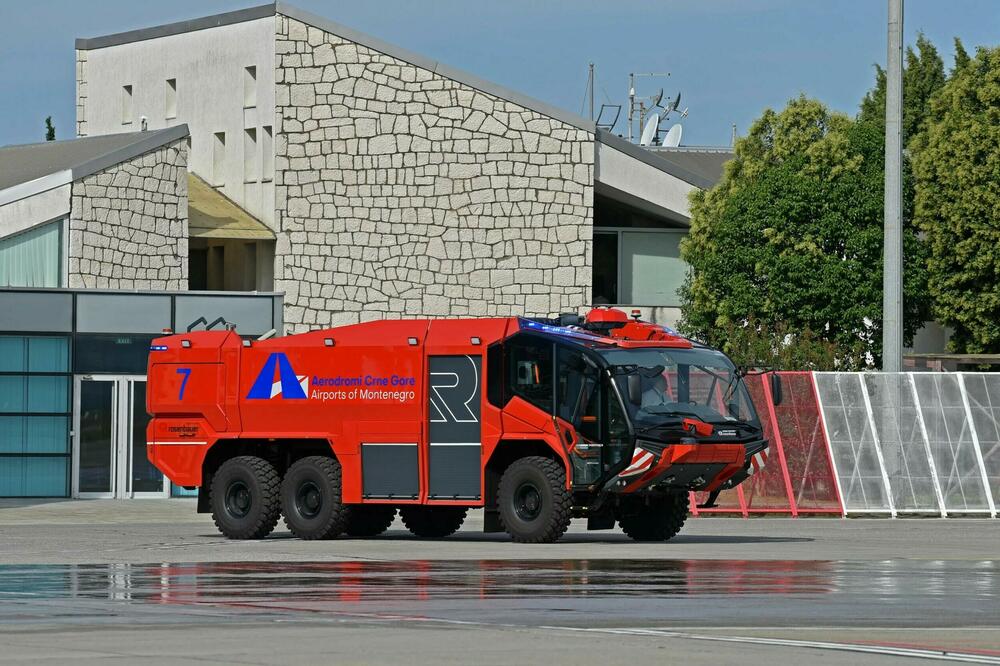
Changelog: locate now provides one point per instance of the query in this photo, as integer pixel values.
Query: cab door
(454, 400)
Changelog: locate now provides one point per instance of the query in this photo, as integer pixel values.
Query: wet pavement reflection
(893, 593)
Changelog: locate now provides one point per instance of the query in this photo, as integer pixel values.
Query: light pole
(892, 258)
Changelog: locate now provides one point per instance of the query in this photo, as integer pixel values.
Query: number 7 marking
(187, 375)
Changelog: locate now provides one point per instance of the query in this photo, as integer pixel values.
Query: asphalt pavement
(151, 581)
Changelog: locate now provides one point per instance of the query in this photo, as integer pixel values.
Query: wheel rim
(308, 499)
(527, 501)
(238, 499)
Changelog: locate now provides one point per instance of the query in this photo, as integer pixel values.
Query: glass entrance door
(109, 453)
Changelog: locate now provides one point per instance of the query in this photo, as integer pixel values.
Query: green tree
(791, 237)
(50, 129)
(961, 56)
(923, 75)
(757, 345)
(956, 164)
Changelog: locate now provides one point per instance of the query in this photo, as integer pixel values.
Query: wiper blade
(675, 417)
(668, 411)
(645, 429)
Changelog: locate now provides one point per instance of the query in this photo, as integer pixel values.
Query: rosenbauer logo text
(288, 385)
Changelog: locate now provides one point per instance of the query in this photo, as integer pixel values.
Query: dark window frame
(513, 341)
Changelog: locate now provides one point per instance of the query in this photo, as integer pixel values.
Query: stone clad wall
(81, 93)
(402, 193)
(128, 226)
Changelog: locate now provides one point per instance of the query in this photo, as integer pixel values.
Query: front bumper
(696, 466)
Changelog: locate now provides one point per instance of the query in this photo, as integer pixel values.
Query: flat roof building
(93, 266)
(108, 211)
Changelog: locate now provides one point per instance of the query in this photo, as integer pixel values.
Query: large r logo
(454, 390)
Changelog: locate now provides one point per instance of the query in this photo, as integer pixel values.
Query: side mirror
(634, 389)
(776, 396)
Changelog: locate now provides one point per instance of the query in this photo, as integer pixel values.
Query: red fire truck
(610, 419)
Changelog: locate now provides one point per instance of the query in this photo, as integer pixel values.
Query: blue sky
(730, 58)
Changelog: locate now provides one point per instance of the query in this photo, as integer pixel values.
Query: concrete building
(394, 185)
(93, 265)
(107, 212)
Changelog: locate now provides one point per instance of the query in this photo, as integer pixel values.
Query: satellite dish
(677, 103)
(658, 98)
(649, 131)
(673, 137)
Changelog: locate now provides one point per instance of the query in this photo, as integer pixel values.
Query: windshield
(678, 383)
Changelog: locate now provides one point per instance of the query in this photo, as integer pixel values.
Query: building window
(33, 258)
(34, 416)
(219, 159)
(267, 153)
(225, 264)
(249, 87)
(605, 268)
(250, 155)
(126, 105)
(171, 99)
(638, 267)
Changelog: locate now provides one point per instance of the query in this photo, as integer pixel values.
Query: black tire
(368, 520)
(244, 497)
(311, 498)
(535, 506)
(659, 520)
(433, 522)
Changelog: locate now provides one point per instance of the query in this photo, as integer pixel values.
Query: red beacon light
(636, 314)
(606, 316)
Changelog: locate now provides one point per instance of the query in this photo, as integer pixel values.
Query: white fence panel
(983, 390)
(905, 454)
(856, 456)
(952, 442)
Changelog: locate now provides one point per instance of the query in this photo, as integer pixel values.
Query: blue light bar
(157, 348)
(563, 331)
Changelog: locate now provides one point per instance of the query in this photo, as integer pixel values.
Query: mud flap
(491, 521)
(203, 504)
(601, 520)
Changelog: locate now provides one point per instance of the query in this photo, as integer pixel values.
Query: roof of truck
(593, 339)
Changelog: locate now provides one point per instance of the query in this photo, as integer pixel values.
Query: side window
(494, 375)
(617, 423)
(578, 393)
(618, 446)
(529, 370)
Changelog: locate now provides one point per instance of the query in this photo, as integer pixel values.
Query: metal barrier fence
(798, 478)
(850, 443)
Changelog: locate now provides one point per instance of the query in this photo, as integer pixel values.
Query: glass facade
(53, 340)
(637, 258)
(34, 416)
(652, 269)
(638, 267)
